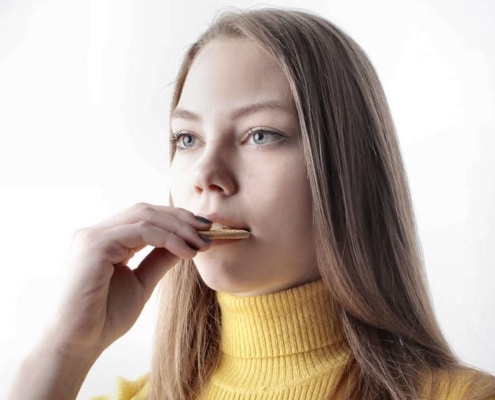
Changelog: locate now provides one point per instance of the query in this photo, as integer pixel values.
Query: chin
(229, 279)
(221, 278)
(250, 277)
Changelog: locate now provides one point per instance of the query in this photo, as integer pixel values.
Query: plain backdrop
(84, 96)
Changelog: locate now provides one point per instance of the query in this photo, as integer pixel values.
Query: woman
(279, 127)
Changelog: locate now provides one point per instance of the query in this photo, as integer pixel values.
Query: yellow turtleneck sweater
(282, 346)
(285, 345)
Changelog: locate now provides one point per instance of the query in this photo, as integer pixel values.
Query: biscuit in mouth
(219, 231)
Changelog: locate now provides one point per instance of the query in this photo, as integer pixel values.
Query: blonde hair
(368, 250)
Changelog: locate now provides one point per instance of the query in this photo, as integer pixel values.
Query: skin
(230, 175)
(239, 161)
(105, 297)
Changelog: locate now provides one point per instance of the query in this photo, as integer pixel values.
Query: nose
(215, 173)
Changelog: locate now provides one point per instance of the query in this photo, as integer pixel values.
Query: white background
(84, 89)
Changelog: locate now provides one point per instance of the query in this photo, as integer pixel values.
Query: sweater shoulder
(459, 383)
(446, 384)
(128, 389)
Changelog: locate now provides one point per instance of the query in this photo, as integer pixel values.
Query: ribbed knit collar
(292, 321)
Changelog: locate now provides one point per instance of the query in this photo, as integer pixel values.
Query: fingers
(181, 241)
(107, 294)
(155, 214)
(118, 238)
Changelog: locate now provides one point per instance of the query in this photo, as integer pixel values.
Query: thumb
(154, 266)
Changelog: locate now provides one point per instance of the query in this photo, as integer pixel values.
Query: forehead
(232, 72)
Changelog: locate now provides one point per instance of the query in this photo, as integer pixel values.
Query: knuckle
(144, 225)
(84, 235)
(86, 240)
(143, 207)
(147, 212)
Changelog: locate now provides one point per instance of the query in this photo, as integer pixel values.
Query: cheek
(281, 197)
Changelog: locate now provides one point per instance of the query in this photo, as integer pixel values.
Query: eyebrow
(182, 113)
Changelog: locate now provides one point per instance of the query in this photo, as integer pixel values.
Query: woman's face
(239, 161)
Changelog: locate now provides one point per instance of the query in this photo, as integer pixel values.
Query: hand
(105, 296)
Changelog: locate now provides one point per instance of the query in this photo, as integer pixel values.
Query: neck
(292, 321)
(286, 345)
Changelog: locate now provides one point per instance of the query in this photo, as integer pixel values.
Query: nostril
(215, 178)
(215, 188)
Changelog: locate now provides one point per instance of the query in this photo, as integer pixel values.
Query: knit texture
(290, 345)
(286, 345)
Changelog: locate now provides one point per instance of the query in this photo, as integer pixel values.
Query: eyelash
(174, 140)
(254, 130)
(176, 136)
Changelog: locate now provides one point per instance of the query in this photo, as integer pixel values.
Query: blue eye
(183, 140)
(261, 137)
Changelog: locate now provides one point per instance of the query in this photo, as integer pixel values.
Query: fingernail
(203, 219)
(193, 247)
(205, 238)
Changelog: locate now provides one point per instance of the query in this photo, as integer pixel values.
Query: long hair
(367, 246)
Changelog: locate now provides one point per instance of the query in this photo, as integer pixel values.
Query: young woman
(279, 127)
